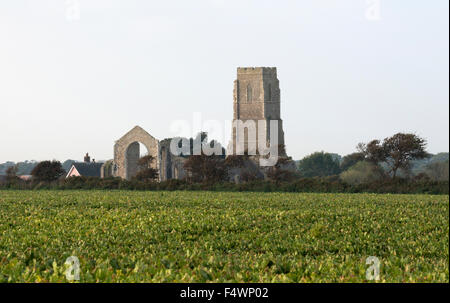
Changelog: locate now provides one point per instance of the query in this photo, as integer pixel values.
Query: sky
(76, 75)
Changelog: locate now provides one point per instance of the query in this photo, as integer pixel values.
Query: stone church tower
(257, 97)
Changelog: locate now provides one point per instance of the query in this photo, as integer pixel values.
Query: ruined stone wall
(256, 96)
(178, 171)
(171, 166)
(107, 169)
(126, 151)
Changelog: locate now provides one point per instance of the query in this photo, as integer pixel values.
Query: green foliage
(25, 168)
(397, 152)
(332, 184)
(207, 169)
(362, 172)
(147, 175)
(279, 174)
(350, 160)
(48, 171)
(438, 171)
(147, 172)
(5, 166)
(146, 161)
(319, 164)
(125, 236)
(11, 172)
(440, 157)
(233, 161)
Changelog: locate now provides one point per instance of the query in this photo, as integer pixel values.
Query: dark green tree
(396, 152)
(11, 173)
(146, 171)
(205, 169)
(48, 171)
(319, 164)
(351, 159)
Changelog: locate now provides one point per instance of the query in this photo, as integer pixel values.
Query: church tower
(257, 97)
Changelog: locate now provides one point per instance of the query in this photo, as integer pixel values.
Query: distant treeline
(397, 164)
(26, 167)
(342, 163)
(318, 185)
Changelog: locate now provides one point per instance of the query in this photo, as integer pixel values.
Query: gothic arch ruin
(256, 96)
(126, 152)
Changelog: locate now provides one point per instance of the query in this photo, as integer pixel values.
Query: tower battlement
(257, 70)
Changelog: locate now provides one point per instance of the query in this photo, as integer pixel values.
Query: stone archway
(126, 151)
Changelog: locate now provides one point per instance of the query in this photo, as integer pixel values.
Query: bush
(319, 164)
(202, 168)
(362, 172)
(438, 171)
(148, 174)
(350, 160)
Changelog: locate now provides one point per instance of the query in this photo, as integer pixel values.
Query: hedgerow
(331, 184)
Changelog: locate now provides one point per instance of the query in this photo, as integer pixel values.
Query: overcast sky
(75, 80)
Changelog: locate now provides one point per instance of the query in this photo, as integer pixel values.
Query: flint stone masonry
(171, 166)
(256, 96)
(126, 152)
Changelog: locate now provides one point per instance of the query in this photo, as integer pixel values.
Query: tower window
(249, 93)
(269, 92)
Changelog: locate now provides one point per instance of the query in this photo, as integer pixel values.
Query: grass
(126, 236)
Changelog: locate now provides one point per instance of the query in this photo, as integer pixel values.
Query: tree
(11, 173)
(48, 171)
(5, 166)
(319, 164)
(146, 161)
(362, 172)
(438, 171)
(25, 168)
(203, 168)
(146, 171)
(278, 174)
(401, 149)
(147, 175)
(351, 159)
(373, 151)
(397, 151)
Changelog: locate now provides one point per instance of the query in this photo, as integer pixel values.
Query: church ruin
(127, 153)
(256, 100)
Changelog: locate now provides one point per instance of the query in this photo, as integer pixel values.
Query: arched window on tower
(249, 93)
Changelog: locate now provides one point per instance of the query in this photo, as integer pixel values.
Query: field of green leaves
(126, 236)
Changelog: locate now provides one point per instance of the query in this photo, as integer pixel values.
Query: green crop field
(126, 236)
